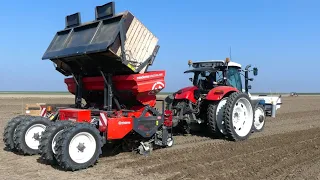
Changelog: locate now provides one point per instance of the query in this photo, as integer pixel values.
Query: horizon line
(163, 92)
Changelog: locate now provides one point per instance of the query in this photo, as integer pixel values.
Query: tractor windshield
(206, 79)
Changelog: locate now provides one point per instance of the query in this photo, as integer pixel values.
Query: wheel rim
(219, 115)
(242, 117)
(54, 141)
(33, 135)
(82, 147)
(259, 113)
(169, 142)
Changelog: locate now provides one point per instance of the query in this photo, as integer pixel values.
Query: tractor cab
(213, 73)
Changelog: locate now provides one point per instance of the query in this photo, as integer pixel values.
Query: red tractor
(217, 102)
(107, 60)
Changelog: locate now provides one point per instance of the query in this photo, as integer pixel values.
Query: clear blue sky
(281, 38)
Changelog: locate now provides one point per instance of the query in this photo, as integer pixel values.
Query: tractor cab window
(204, 80)
(219, 76)
(200, 78)
(234, 78)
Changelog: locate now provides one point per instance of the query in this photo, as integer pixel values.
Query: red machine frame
(116, 124)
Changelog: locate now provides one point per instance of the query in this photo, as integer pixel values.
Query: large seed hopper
(119, 44)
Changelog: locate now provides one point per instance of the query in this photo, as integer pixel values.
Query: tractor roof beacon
(220, 101)
(109, 70)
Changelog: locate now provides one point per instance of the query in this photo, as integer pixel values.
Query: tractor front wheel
(259, 119)
(78, 147)
(238, 116)
(28, 134)
(49, 138)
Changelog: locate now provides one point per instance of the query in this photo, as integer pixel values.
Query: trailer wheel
(259, 119)
(28, 134)
(78, 147)
(49, 138)
(10, 129)
(238, 116)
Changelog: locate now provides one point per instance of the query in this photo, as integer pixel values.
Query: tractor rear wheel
(28, 134)
(10, 129)
(212, 123)
(238, 116)
(259, 118)
(215, 117)
(49, 138)
(78, 147)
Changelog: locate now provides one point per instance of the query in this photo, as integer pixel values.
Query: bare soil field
(288, 148)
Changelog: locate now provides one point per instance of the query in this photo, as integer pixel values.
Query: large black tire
(212, 123)
(259, 118)
(63, 155)
(48, 136)
(10, 129)
(232, 101)
(20, 141)
(214, 117)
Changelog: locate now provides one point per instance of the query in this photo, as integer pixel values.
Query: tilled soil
(288, 148)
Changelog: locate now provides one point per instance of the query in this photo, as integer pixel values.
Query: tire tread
(61, 149)
(19, 135)
(45, 146)
(231, 135)
(9, 131)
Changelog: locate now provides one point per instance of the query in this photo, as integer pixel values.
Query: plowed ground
(288, 148)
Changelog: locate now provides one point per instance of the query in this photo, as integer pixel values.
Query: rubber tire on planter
(52, 132)
(228, 118)
(62, 149)
(170, 142)
(264, 121)
(10, 129)
(19, 136)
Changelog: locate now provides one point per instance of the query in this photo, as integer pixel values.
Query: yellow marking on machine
(131, 67)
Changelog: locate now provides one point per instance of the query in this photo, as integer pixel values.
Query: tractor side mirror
(255, 71)
(249, 86)
(191, 79)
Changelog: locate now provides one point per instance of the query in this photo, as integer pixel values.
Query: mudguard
(186, 93)
(217, 93)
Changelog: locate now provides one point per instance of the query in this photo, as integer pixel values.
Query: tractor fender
(217, 93)
(186, 93)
